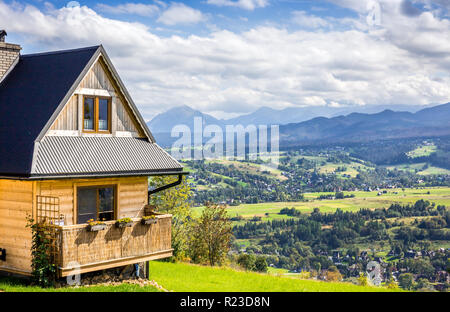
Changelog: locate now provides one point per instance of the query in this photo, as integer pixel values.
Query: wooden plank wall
(18, 199)
(16, 202)
(132, 194)
(68, 117)
(98, 79)
(124, 120)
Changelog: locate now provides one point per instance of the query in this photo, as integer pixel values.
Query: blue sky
(237, 17)
(229, 57)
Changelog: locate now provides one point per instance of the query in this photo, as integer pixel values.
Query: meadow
(8, 284)
(178, 277)
(361, 199)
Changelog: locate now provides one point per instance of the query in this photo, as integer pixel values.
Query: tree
(261, 264)
(424, 285)
(211, 235)
(334, 276)
(175, 201)
(247, 261)
(406, 281)
(339, 195)
(392, 284)
(362, 279)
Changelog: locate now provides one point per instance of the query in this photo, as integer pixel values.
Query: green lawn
(180, 277)
(8, 284)
(195, 278)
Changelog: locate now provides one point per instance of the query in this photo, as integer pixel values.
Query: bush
(42, 262)
(406, 281)
(362, 280)
(261, 264)
(247, 261)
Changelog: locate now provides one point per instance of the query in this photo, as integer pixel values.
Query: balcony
(78, 250)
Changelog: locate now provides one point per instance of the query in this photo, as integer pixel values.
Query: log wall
(132, 195)
(18, 199)
(16, 202)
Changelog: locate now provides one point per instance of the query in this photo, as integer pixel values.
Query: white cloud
(309, 21)
(179, 13)
(130, 8)
(400, 63)
(243, 4)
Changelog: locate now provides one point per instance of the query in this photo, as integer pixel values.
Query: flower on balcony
(94, 226)
(124, 222)
(148, 220)
(92, 222)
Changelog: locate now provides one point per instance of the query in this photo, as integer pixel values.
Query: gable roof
(33, 94)
(65, 155)
(29, 96)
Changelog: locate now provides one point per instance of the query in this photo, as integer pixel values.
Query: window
(96, 114)
(89, 114)
(96, 203)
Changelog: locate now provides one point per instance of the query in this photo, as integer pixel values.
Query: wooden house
(74, 147)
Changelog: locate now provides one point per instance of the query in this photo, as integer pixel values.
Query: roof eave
(95, 175)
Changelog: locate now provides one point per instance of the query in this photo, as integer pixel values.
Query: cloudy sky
(228, 57)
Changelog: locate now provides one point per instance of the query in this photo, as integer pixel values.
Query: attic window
(96, 114)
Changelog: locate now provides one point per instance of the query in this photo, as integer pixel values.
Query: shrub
(261, 264)
(42, 264)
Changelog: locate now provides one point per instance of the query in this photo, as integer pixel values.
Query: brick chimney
(9, 54)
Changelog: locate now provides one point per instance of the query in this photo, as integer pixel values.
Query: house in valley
(74, 148)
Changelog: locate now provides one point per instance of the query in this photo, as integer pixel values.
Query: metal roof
(29, 96)
(62, 155)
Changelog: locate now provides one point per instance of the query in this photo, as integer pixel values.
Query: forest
(319, 242)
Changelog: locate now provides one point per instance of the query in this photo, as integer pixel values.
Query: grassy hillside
(8, 284)
(195, 278)
(269, 211)
(422, 150)
(182, 277)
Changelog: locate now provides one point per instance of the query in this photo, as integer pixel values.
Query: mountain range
(165, 121)
(317, 124)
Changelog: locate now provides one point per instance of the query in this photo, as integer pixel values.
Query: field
(17, 285)
(419, 168)
(179, 277)
(370, 200)
(251, 168)
(423, 150)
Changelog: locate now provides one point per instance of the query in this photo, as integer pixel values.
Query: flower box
(96, 227)
(148, 221)
(123, 223)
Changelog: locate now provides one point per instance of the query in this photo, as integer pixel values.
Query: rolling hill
(352, 127)
(434, 121)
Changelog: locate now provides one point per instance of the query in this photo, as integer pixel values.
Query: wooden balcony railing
(80, 251)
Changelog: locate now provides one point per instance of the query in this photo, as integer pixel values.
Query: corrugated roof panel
(59, 155)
